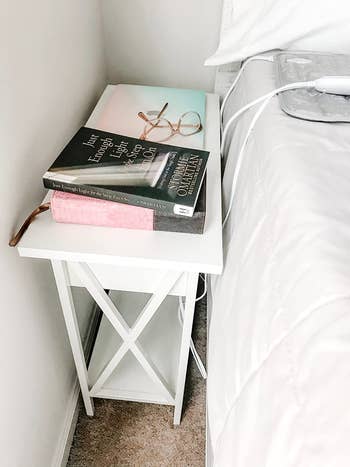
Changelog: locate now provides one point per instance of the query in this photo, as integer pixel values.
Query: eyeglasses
(160, 129)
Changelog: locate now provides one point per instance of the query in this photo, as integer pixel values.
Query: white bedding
(279, 338)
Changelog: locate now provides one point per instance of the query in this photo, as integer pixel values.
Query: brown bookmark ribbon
(17, 237)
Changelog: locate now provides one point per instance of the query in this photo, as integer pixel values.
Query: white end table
(135, 357)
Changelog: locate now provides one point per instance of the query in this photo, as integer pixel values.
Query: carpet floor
(142, 435)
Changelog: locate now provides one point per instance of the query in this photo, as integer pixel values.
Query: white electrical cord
(181, 310)
(204, 279)
(286, 87)
(266, 58)
(339, 85)
(181, 313)
(265, 99)
(240, 157)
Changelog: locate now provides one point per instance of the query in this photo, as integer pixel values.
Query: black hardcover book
(174, 223)
(127, 170)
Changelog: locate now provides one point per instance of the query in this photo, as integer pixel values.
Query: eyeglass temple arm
(143, 116)
(163, 110)
(17, 237)
(146, 119)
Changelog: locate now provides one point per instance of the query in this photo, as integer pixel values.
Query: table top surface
(167, 250)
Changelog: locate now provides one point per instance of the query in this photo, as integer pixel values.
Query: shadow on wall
(161, 42)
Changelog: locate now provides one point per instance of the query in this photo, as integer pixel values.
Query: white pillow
(257, 26)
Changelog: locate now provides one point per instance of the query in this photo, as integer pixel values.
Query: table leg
(65, 294)
(191, 290)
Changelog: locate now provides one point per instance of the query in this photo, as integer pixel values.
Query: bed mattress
(279, 335)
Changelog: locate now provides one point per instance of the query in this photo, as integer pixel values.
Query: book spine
(75, 209)
(159, 206)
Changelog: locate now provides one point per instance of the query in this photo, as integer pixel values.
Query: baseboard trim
(69, 425)
(64, 444)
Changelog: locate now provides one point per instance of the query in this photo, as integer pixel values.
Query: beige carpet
(135, 434)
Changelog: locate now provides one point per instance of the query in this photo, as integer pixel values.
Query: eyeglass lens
(190, 123)
(158, 130)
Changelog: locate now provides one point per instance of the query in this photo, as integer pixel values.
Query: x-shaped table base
(129, 335)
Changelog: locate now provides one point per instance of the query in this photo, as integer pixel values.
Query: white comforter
(279, 341)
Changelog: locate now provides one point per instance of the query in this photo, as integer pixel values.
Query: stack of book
(142, 167)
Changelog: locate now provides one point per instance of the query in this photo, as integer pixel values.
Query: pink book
(76, 209)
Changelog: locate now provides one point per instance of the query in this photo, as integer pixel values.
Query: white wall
(52, 70)
(51, 74)
(161, 42)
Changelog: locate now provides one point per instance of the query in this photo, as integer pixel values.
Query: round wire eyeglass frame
(178, 128)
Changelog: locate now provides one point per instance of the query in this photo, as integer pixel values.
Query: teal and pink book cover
(121, 114)
(131, 111)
